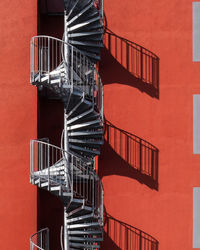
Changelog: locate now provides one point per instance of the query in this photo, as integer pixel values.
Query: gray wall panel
(196, 217)
(196, 124)
(196, 31)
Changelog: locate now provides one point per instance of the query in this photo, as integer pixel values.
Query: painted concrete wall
(142, 207)
(18, 107)
(165, 28)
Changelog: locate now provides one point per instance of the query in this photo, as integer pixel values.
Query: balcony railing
(53, 58)
(40, 240)
(57, 167)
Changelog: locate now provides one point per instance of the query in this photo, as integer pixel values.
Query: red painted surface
(165, 28)
(18, 107)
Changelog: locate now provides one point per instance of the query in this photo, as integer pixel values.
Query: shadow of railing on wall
(131, 156)
(141, 63)
(119, 235)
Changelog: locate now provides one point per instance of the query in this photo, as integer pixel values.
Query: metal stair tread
(80, 232)
(85, 43)
(83, 225)
(80, 211)
(93, 152)
(86, 133)
(79, 116)
(80, 218)
(84, 124)
(80, 13)
(84, 239)
(84, 245)
(85, 141)
(83, 34)
(81, 25)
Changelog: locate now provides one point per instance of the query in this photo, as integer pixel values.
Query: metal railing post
(47, 240)
(71, 66)
(72, 179)
(102, 9)
(31, 160)
(48, 59)
(66, 239)
(48, 166)
(93, 190)
(102, 205)
(31, 246)
(32, 60)
(41, 239)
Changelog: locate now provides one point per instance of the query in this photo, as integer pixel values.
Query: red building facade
(147, 164)
(18, 108)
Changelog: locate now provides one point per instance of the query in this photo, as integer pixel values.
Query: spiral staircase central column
(66, 148)
(66, 140)
(67, 170)
(66, 239)
(66, 47)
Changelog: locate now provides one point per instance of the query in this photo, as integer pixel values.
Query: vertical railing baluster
(72, 178)
(52, 53)
(48, 166)
(48, 48)
(32, 60)
(47, 240)
(72, 51)
(40, 238)
(93, 190)
(31, 160)
(41, 155)
(41, 51)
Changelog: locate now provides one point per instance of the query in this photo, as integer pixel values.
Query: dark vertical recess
(49, 125)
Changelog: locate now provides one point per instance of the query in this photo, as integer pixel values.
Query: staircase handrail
(47, 55)
(41, 157)
(40, 233)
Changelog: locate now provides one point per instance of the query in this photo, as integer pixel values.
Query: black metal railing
(40, 240)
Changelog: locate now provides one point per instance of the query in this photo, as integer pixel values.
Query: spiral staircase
(68, 68)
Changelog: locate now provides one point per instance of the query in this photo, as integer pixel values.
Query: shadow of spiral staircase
(69, 69)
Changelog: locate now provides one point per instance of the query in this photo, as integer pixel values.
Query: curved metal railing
(74, 69)
(55, 166)
(40, 240)
(48, 59)
(99, 98)
(100, 7)
(48, 164)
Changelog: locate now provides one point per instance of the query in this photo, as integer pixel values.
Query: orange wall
(165, 28)
(18, 107)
